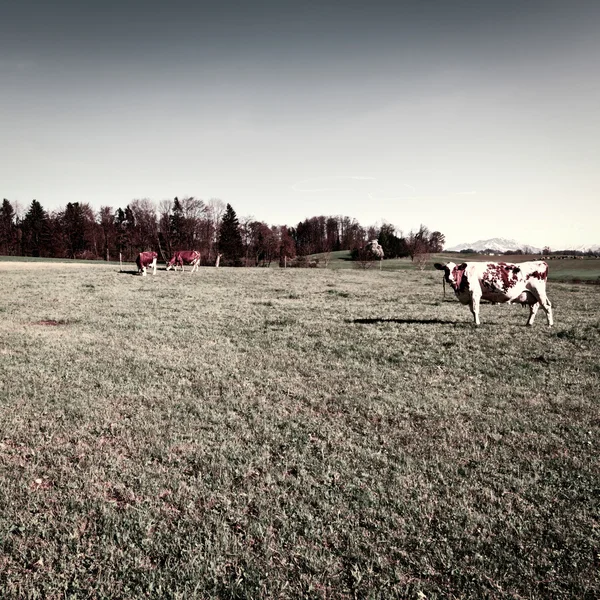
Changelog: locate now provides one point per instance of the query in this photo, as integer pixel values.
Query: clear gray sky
(477, 118)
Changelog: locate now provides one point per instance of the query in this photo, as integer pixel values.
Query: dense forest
(213, 227)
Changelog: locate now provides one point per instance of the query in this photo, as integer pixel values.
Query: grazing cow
(523, 283)
(181, 257)
(145, 260)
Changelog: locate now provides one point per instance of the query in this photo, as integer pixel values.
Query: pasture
(583, 269)
(270, 433)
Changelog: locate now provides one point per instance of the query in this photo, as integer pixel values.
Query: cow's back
(145, 258)
(535, 270)
(510, 282)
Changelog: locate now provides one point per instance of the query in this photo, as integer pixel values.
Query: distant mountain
(495, 245)
(583, 248)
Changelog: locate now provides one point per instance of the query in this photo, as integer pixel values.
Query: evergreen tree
(74, 229)
(393, 246)
(177, 225)
(230, 238)
(436, 241)
(8, 229)
(36, 232)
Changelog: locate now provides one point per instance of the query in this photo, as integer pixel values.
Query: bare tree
(418, 242)
(246, 231)
(106, 218)
(422, 259)
(164, 229)
(215, 209)
(145, 234)
(194, 210)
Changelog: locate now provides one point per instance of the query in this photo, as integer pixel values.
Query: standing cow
(524, 283)
(145, 260)
(181, 257)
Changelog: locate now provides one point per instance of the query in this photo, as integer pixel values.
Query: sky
(479, 119)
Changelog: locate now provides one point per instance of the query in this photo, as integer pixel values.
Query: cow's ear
(462, 267)
(439, 266)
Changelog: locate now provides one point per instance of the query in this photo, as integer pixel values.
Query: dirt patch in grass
(50, 323)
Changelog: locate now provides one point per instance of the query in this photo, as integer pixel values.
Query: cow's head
(453, 274)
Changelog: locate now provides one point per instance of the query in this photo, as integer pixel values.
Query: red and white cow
(523, 283)
(188, 257)
(145, 260)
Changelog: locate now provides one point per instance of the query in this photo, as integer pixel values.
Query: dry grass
(304, 433)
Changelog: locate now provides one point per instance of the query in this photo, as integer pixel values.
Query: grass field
(569, 269)
(266, 433)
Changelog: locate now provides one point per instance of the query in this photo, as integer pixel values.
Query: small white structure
(375, 249)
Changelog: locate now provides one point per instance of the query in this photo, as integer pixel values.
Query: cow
(181, 257)
(523, 283)
(145, 260)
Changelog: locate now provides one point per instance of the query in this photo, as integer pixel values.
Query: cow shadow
(374, 321)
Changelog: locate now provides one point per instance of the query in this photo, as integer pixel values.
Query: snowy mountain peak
(585, 248)
(495, 245)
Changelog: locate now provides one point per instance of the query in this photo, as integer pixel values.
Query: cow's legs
(533, 308)
(154, 267)
(547, 306)
(474, 306)
(542, 300)
(549, 314)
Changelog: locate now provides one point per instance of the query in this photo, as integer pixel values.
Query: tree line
(213, 228)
